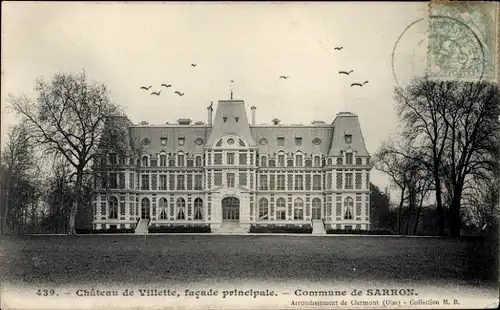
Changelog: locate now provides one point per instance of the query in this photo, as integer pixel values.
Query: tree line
(447, 151)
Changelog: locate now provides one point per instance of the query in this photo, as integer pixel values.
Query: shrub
(105, 231)
(176, 228)
(281, 229)
(378, 231)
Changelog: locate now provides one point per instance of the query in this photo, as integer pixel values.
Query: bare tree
(68, 118)
(454, 126)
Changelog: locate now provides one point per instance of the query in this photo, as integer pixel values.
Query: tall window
(316, 207)
(181, 209)
(218, 159)
(298, 160)
(280, 185)
(263, 209)
(230, 158)
(299, 182)
(163, 160)
(263, 161)
(113, 208)
(197, 182)
(316, 182)
(348, 158)
(163, 182)
(198, 209)
(112, 159)
(218, 178)
(348, 181)
(339, 180)
(230, 179)
(198, 162)
(243, 158)
(280, 209)
(298, 209)
(358, 180)
(113, 182)
(281, 160)
(242, 178)
(180, 160)
(145, 205)
(317, 161)
(348, 205)
(145, 161)
(145, 182)
(263, 182)
(180, 182)
(163, 208)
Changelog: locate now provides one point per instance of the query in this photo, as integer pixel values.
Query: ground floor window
(298, 210)
(263, 209)
(198, 209)
(280, 209)
(181, 206)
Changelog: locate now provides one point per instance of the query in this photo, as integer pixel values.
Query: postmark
(463, 40)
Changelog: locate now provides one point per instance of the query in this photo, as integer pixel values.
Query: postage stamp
(463, 40)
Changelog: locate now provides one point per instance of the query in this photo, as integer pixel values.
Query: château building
(230, 173)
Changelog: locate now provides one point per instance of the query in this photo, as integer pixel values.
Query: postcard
(245, 155)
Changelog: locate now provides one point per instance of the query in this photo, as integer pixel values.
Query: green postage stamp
(463, 40)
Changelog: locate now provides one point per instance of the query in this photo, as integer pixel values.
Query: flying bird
(178, 93)
(338, 48)
(359, 84)
(157, 93)
(284, 77)
(146, 88)
(193, 65)
(166, 85)
(345, 72)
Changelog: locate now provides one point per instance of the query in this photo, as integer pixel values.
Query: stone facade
(233, 171)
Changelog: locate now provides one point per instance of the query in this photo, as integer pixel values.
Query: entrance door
(145, 212)
(230, 209)
(316, 213)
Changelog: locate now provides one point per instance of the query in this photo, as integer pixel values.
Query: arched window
(198, 209)
(316, 209)
(145, 211)
(280, 209)
(181, 209)
(263, 161)
(317, 161)
(348, 205)
(163, 208)
(113, 208)
(198, 162)
(263, 209)
(219, 143)
(145, 161)
(298, 209)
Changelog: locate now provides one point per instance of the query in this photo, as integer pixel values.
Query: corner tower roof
(347, 124)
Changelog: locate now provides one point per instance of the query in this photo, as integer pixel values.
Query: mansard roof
(314, 139)
(347, 123)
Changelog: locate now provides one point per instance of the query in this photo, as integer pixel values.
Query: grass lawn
(159, 258)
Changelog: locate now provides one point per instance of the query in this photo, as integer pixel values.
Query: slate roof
(317, 138)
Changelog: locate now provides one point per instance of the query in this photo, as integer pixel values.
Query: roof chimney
(276, 121)
(184, 121)
(253, 108)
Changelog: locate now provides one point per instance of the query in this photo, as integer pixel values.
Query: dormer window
(112, 159)
(348, 138)
(224, 119)
(348, 158)
(281, 141)
(236, 119)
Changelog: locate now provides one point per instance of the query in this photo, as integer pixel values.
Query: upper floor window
(230, 179)
(230, 158)
(182, 141)
(358, 161)
(163, 141)
(340, 161)
(112, 159)
(348, 158)
(145, 161)
(317, 161)
(263, 161)
(281, 141)
(348, 138)
(298, 160)
(236, 119)
(224, 119)
(243, 158)
(218, 158)
(180, 160)
(281, 160)
(198, 162)
(298, 141)
(163, 160)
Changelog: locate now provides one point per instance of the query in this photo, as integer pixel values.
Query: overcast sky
(127, 45)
